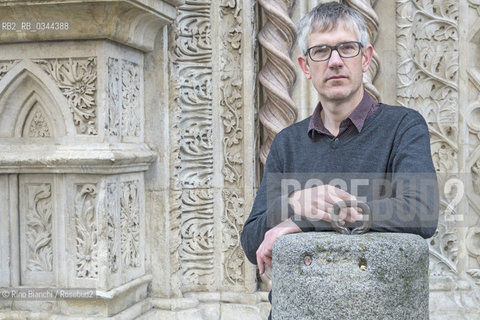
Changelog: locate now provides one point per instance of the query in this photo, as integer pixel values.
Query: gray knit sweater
(388, 164)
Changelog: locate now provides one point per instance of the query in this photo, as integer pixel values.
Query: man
(347, 135)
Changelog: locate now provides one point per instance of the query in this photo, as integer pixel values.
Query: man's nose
(335, 59)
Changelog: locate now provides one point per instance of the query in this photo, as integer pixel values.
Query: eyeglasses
(323, 52)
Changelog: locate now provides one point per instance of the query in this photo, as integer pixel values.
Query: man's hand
(264, 252)
(317, 203)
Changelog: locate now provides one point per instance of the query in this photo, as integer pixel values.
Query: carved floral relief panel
(86, 231)
(38, 254)
(130, 224)
(428, 62)
(472, 124)
(124, 114)
(231, 89)
(112, 222)
(109, 229)
(77, 80)
(114, 93)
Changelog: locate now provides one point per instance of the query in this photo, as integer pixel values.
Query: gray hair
(326, 16)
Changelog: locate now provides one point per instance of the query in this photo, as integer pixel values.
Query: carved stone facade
(74, 157)
(131, 150)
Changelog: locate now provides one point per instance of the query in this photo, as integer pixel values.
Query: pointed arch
(24, 87)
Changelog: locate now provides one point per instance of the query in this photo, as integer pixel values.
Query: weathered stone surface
(334, 276)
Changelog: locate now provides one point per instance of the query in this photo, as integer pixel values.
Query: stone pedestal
(333, 276)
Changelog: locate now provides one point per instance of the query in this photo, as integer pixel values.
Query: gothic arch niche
(37, 123)
(31, 106)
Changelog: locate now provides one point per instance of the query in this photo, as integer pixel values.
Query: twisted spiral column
(365, 7)
(277, 76)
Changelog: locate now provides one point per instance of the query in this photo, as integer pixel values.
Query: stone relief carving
(5, 66)
(196, 126)
(36, 124)
(110, 212)
(77, 80)
(231, 88)
(130, 224)
(365, 7)
(175, 194)
(444, 245)
(278, 73)
(192, 199)
(131, 122)
(472, 240)
(197, 250)
(192, 68)
(39, 228)
(114, 97)
(86, 231)
(427, 42)
(123, 93)
(233, 222)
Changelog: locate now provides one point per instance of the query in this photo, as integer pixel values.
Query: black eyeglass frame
(335, 47)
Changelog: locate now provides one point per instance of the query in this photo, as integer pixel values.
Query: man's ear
(302, 61)
(367, 57)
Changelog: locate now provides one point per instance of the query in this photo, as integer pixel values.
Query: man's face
(338, 79)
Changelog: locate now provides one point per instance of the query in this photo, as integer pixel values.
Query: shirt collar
(364, 109)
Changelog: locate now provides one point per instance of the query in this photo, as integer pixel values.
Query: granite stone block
(337, 277)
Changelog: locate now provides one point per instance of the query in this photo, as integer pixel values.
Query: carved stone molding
(277, 76)
(192, 197)
(231, 87)
(134, 23)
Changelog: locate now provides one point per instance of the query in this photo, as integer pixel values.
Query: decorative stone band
(79, 158)
(335, 276)
(134, 23)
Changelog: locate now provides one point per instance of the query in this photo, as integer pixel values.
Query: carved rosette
(39, 228)
(231, 88)
(130, 224)
(365, 7)
(427, 42)
(192, 196)
(77, 80)
(277, 76)
(86, 232)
